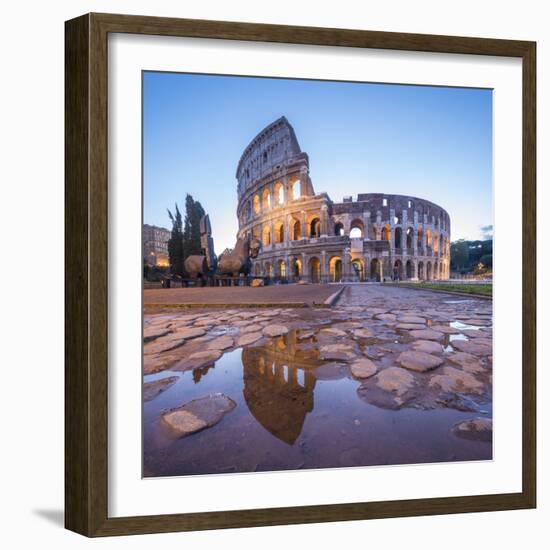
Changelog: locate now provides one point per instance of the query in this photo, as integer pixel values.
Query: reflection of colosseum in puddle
(307, 236)
(278, 387)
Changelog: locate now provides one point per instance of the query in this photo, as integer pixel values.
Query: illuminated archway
(315, 269)
(335, 269)
(279, 236)
(266, 199)
(386, 233)
(339, 229)
(376, 269)
(266, 236)
(315, 228)
(296, 230)
(256, 204)
(358, 267)
(296, 188)
(279, 192)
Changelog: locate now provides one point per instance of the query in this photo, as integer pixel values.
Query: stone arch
(435, 273)
(409, 269)
(268, 268)
(398, 270)
(295, 188)
(441, 271)
(421, 275)
(281, 269)
(279, 193)
(279, 236)
(428, 271)
(297, 268)
(339, 229)
(420, 240)
(266, 235)
(315, 227)
(335, 269)
(358, 266)
(429, 236)
(409, 236)
(398, 237)
(376, 232)
(376, 269)
(315, 269)
(436, 243)
(357, 229)
(256, 204)
(266, 199)
(296, 231)
(386, 233)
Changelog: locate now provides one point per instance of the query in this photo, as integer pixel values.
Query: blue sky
(430, 142)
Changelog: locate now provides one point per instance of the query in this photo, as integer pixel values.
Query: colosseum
(306, 236)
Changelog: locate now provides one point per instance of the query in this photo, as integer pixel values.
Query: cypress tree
(175, 244)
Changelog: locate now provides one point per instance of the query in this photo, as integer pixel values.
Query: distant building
(155, 245)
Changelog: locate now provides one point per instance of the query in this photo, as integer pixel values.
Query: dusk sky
(431, 142)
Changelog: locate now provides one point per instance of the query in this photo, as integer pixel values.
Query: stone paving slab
(209, 296)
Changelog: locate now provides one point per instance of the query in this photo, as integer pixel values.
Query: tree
(460, 254)
(191, 233)
(175, 244)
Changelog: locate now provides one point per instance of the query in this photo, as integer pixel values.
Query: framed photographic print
(300, 274)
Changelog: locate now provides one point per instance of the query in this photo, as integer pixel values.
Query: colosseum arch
(421, 275)
(428, 271)
(295, 188)
(409, 237)
(315, 227)
(296, 229)
(386, 233)
(256, 204)
(268, 268)
(281, 269)
(376, 269)
(420, 240)
(376, 232)
(436, 243)
(398, 270)
(339, 229)
(335, 269)
(279, 236)
(398, 237)
(315, 269)
(279, 193)
(358, 266)
(266, 199)
(357, 229)
(429, 236)
(409, 269)
(266, 235)
(297, 268)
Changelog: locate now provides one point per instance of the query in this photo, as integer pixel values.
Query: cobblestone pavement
(387, 376)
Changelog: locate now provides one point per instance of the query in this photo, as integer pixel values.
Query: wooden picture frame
(86, 283)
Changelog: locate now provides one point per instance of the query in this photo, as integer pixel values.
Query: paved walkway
(387, 295)
(275, 294)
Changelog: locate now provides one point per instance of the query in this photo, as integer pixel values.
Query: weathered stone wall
(309, 237)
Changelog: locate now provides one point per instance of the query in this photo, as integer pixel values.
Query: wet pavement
(388, 376)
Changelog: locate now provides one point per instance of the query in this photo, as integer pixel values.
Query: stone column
(346, 266)
(303, 222)
(305, 268)
(324, 267)
(324, 220)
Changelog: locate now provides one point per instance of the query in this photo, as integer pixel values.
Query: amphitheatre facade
(307, 237)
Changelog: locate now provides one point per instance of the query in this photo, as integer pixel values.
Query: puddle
(463, 326)
(293, 412)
